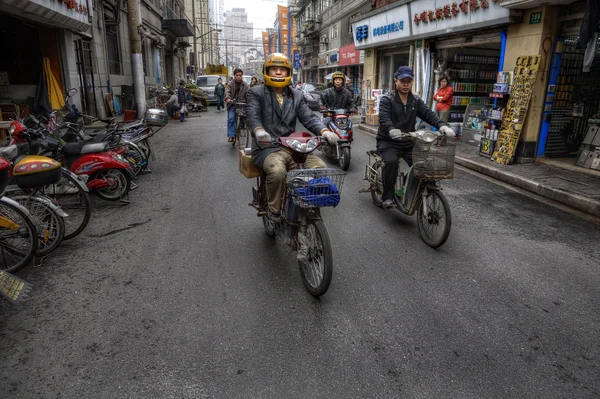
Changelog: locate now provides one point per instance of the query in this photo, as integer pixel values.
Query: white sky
(260, 12)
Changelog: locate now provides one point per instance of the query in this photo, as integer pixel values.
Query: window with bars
(112, 42)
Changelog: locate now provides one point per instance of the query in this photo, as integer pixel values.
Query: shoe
(230, 139)
(274, 217)
(182, 121)
(387, 204)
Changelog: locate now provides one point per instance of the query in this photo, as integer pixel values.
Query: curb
(575, 201)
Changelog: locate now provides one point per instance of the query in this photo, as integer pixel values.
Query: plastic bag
(183, 109)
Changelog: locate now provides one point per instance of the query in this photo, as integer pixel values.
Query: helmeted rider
(338, 96)
(399, 110)
(271, 112)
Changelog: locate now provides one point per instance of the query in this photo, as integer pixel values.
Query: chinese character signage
(349, 55)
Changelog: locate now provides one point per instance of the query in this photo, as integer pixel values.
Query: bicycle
(241, 131)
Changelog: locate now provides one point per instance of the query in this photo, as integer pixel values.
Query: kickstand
(147, 170)
(133, 186)
(126, 201)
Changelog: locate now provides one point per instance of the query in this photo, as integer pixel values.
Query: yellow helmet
(280, 60)
(338, 74)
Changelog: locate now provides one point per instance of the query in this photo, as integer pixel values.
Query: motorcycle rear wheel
(377, 187)
(435, 228)
(317, 271)
(345, 158)
(118, 192)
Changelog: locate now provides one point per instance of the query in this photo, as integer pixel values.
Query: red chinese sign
(348, 55)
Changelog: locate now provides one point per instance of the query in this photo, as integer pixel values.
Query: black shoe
(274, 217)
(387, 204)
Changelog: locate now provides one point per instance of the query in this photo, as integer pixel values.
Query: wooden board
(514, 116)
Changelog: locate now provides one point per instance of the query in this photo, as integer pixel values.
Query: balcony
(179, 27)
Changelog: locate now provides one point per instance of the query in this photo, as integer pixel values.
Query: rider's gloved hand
(262, 136)
(396, 134)
(331, 137)
(447, 131)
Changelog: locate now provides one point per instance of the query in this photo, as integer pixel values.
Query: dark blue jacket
(181, 96)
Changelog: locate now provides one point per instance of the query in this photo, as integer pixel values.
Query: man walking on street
(234, 92)
(220, 94)
(182, 98)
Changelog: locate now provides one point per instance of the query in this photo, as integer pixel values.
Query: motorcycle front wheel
(345, 158)
(317, 269)
(435, 227)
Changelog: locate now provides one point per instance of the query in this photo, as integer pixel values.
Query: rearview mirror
(72, 92)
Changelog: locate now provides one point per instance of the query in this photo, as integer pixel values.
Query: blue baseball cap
(404, 72)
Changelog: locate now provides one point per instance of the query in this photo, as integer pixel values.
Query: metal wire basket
(434, 161)
(316, 187)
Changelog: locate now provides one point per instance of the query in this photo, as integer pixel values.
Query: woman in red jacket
(444, 98)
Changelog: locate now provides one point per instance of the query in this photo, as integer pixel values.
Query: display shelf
(477, 93)
(473, 63)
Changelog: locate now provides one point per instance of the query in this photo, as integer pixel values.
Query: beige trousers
(276, 165)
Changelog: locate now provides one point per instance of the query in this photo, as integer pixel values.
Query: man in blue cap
(399, 110)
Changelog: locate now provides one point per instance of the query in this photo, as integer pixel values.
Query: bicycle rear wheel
(317, 269)
(49, 225)
(18, 242)
(74, 200)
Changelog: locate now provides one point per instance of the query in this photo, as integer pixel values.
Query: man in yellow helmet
(272, 109)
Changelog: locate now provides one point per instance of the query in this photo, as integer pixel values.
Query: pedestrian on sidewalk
(182, 98)
(234, 92)
(399, 110)
(220, 94)
(172, 104)
(443, 97)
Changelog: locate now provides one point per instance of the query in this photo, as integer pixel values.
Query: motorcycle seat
(94, 147)
(71, 149)
(131, 125)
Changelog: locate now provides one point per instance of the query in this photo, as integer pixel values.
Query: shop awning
(50, 13)
(179, 27)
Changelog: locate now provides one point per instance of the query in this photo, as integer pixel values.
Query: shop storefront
(572, 103)
(43, 47)
(351, 64)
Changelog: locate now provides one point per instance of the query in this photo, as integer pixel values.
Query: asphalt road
(181, 295)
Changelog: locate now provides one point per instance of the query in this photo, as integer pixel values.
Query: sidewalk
(570, 185)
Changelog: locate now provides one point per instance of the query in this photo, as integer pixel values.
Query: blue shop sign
(389, 28)
(362, 32)
(333, 58)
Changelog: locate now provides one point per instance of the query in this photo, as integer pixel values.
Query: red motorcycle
(104, 171)
(301, 227)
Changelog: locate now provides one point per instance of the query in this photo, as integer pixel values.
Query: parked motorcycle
(302, 227)
(341, 125)
(418, 190)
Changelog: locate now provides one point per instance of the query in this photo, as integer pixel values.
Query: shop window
(112, 43)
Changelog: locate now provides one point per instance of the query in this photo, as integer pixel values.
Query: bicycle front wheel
(18, 237)
(435, 227)
(74, 200)
(241, 133)
(316, 265)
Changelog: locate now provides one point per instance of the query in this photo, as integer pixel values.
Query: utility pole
(137, 64)
(226, 58)
(195, 44)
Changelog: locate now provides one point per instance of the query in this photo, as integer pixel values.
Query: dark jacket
(236, 91)
(181, 95)
(220, 90)
(395, 115)
(263, 110)
(336, 99)
(590, 24)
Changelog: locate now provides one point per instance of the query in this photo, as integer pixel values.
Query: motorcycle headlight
(305, 147)
(12, 129)
(425, 135)
(342, 122)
